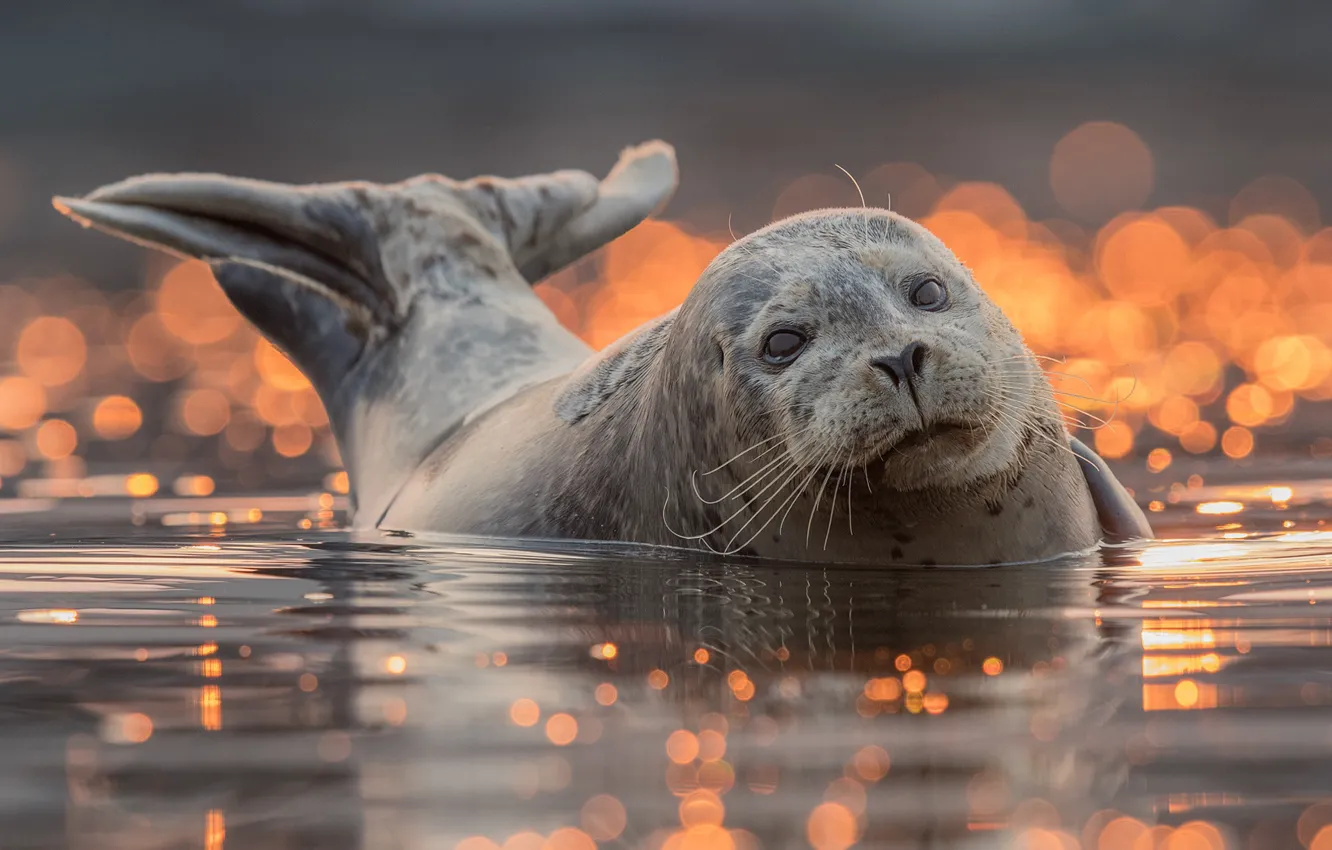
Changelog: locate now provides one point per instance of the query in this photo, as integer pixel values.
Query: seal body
(835, 387)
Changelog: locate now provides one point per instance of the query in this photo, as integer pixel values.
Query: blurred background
(1141, 185)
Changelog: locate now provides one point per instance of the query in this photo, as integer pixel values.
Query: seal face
(893, 355)
(835, 387)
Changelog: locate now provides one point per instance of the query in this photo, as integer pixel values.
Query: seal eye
(783, 346)
(929, 294)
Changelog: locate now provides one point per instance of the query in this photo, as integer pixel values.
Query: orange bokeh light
(1237, 442)
(561, 729)
(22, 402)
(524, 712)
(832, 826)
(204, 412)
(116, 417)
(276, 369)
(56, 439)
(193, 307)
(606, 694)
(293, 439)
(682, 746)
(51, 350)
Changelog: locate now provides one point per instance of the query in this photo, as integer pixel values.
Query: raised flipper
(407, 305)
(1121, 518)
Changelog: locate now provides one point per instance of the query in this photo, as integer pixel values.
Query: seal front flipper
(407, 305)
(1121, 517)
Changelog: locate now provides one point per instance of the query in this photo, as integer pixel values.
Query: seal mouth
(950, 430)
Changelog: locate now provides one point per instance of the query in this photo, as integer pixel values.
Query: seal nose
(904, 367)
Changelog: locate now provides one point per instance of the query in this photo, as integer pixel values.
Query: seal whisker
(693, 481)
(804, 485)
(792, 474)
(849, 530)
(1020, 413)
(865, 215)
(743, 453)
(1007, 382)
(735, 240)
(1069, 408)
(1076, 412)
(788, 503)
(814, 510)
(832, 508)
(783, 471)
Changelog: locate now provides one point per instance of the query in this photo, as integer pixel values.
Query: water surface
(277, 687)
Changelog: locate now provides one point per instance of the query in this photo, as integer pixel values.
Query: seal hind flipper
(408, 305)
(1121, 517)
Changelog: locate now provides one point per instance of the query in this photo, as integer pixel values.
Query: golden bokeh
(524, 712)
(133, 728)
(22, 402)
(56, 439)
(832, 826)
(116, 417)
(51, 350)
(561, 729)
(525, 840)
(141, 484)
(701, 808)
(204, 412)
(711, 745)
(154, 352)
(276, 369)
(193, 307)
(871, 763)
(569, 838)
(293, 439)
(682, 746)
(1237, 442)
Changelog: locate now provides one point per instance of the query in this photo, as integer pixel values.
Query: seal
(835, 387)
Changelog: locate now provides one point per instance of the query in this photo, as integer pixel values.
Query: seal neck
(678, 430)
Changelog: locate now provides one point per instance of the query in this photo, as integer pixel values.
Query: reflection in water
(250, 693)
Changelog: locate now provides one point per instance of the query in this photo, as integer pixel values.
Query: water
(279, 687)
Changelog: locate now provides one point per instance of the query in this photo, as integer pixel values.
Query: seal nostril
(894, 367)
(913, 357)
